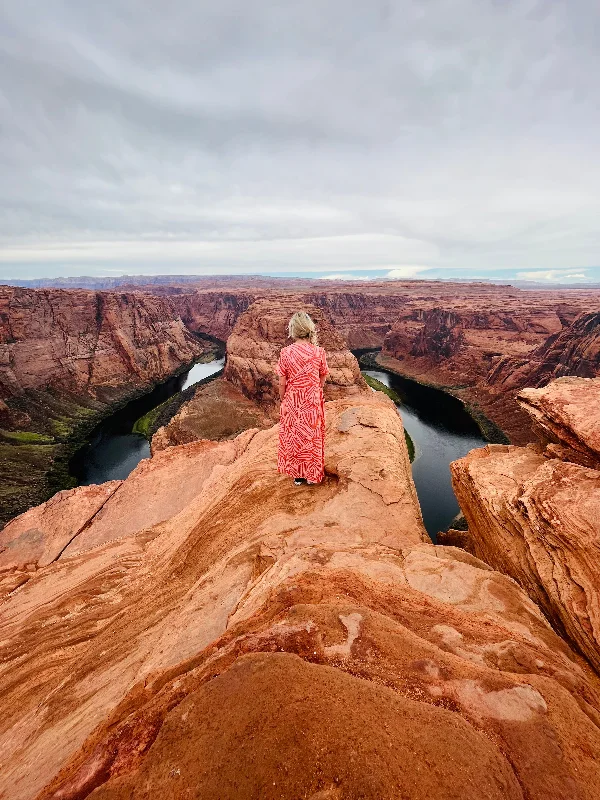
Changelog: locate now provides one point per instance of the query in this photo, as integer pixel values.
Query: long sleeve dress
(302, 418)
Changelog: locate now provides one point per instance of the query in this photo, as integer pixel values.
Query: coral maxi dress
(302, 421)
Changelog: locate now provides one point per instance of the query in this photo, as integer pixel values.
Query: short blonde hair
(301, 326)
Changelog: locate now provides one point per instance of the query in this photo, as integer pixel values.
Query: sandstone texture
(218, 410)
(254, 346)
(567, 418)
(536, 517)
(89, 343)
(255, 639)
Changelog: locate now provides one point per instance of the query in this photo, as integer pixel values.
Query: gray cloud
(252, 135)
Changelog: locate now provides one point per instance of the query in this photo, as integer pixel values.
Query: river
(113, 451)
(438, 424)
(442, 431)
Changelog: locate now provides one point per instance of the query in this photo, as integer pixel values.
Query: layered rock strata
(97, 344)
(574, 350)
(254, 639)
(485, 358)
(65, 358)
(254, 346)
(566, 415)
(537, 517)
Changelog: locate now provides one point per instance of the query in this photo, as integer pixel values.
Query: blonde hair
(301, 326)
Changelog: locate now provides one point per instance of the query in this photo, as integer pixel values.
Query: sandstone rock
(217, 411)
(211, 312)
(89, 343)
(274, 641)
(574, 350)
(254, 346)
(567, 415)
(538, 520)
(65, 358)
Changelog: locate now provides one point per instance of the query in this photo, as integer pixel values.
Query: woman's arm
(282, 383)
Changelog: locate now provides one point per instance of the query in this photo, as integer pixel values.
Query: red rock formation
(536, 517)
(211, 312)
(254, 346)
(217, 411)
(456, 347)
(258, 640)
(566, 413)
(96, 344)
(574, 350)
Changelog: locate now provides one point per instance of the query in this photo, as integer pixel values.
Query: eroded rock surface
(99, 344)
(264, 640)
(254, 346)
(218, 410)
(567, 418)
(537, 517)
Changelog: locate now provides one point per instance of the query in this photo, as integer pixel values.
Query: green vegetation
(145, 425)
(26, 437)
(381, 387)
(410, 446)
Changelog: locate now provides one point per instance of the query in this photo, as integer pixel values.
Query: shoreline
(490, 431)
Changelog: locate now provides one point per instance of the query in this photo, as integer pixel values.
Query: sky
(408, 138)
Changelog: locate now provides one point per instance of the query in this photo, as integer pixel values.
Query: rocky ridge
(255, 639)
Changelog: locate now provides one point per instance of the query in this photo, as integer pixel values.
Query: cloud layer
(254, 135)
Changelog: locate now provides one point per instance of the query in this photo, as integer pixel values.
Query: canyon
(66, 359)
(206, 628)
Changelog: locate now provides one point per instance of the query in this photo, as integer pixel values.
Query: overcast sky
(420, 138)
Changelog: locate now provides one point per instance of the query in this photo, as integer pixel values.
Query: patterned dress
(302, 418)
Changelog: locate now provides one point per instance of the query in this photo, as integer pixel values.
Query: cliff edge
(205, 628)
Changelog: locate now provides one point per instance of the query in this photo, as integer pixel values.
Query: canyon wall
(65, 358)
(534, 512)
(205, 628)
(485, 358)
(98, 344)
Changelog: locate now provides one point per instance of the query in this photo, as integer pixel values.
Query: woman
(302, 370)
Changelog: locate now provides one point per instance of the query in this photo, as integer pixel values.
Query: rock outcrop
(217, 411)
(254, 346)
(255, 639)
(537, 517)
(566, 414)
